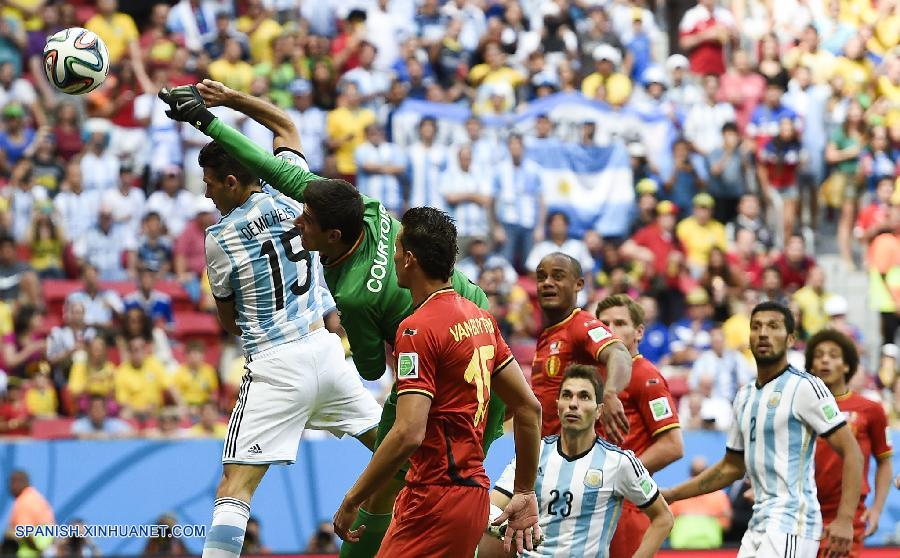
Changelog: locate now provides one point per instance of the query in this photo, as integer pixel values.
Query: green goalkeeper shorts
(493, 429)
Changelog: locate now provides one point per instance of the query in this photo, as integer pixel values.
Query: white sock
(226, 536)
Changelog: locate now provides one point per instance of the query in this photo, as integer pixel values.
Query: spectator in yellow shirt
(92, 374)
(345, 127)
(261, 29)
(40, 397)
(195, 382)
(141, 382)
(116, 29)
(209, 425)
(855, 68)
(230, 69)
(811, 300)
(699, 233)
(494, 69)
(606, 84)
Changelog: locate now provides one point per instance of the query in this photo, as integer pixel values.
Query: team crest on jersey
(774, 400)
(555, 347)
(598, 334)
(407, 366)
(553, 366)
(409, 331)
(593, 478)
(660, 408)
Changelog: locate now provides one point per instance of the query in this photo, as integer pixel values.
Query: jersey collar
(440, 291)
(773, 378)
(574, 457)
(346, 254)
(844, 396)
(564, 321)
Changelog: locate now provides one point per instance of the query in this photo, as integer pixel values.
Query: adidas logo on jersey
(255, 449)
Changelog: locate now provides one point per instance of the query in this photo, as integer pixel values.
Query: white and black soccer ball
(76, 61)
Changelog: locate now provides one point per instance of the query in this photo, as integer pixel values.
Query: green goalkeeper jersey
(362, 281)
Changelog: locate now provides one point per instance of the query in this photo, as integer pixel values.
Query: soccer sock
(376, 526)
(226, 536)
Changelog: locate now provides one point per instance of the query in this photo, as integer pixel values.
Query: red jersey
(648, 405)
(869, 425)
(708, 57)
(448, 349)
(576, 340)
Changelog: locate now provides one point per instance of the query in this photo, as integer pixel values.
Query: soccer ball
(76, 61)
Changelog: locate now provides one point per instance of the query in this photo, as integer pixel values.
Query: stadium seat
(196, 325)
(52, 429)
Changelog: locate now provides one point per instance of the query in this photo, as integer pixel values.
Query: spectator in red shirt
(190, 247)
(794, 264)
(14, 419)
(779, 161)
(746, 260)
(653, 243)
(346, 46)
(742, 87)
(873, 219)
(703, 32)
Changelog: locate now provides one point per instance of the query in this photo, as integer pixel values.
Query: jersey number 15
(297, 289)
(479, 372)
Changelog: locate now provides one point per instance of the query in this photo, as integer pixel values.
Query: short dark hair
(221, 164)
(554, 214)
(336, 205)
(574, 264)
(848, 349)
(584, 372)
(635, 312)
(729, 127)
(430, 234)
(427, 120)
(772, 306)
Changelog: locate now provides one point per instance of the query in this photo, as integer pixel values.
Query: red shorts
(859, 528)
(436, 521)
(629, 532)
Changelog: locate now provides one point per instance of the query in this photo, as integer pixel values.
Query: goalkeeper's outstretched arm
(276, 120)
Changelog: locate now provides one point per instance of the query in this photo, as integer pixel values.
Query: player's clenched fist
(343, 521)
(521, 515)
(214, 93)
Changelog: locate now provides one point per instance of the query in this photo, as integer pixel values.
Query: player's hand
(214, 93)
(613, 418)
(522, 516)
(870, 517)
(343, 521)
(186, 105)
(838, 538)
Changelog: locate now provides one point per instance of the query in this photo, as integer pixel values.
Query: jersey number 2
(268, 249)
(479, 372)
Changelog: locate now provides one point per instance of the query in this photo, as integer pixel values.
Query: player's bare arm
(402, 441)
(227, 316)
(276, 120)
(617, 360)
(883, 472)
(661, 522)
(667, 448)
(522, 510)
(728, 470)
(839, 533)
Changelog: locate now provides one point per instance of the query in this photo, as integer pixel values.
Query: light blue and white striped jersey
(254, 256)
(517, 190)
(580, 498)
(471, 218)
(383, 187)
(775, 428)
(426, 165)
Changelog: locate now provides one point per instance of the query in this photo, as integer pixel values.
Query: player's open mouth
(548, 294)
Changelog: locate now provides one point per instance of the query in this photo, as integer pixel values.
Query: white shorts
(772, 544)
(285, 389)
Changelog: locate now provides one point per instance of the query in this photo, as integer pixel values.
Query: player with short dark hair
(450, 356)
(777, 420)
(354, 236)
(572, 335)
(655, 434)
(832, 357)
(583, 482)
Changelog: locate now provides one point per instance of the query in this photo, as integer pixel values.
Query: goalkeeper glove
(186, 105)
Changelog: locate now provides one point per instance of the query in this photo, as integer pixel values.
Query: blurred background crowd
(783, 183)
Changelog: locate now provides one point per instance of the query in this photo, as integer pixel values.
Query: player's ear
(333, 235)
(639, 333)
(579, 284)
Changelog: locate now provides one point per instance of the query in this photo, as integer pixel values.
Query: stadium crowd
(789, 129)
